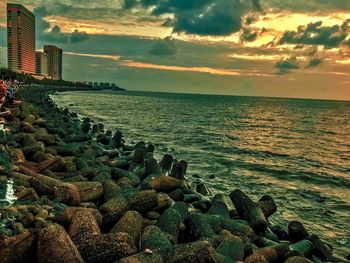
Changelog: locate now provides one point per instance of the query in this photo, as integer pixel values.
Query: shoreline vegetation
(84, 195)
(60, 85)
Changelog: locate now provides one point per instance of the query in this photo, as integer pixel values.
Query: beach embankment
(83, 194)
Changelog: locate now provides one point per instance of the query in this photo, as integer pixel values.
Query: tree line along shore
(85, 195)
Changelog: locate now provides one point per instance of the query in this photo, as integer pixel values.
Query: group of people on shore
(7, 97)
(7, 92)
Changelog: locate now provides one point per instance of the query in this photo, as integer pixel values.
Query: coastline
(117, 186)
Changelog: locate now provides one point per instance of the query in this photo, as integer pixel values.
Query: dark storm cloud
(201, 17)
(54, 34)
(314, 62)
(316, 34)
(251, 34)
(307, 5)
(286, 65)
(164, 47)
(79, 10)
(78, 36)
(248, 35)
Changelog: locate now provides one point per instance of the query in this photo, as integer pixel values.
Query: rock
(219, 207)
(163, 202)
(139, 155)
(184, 165)
(124, 183)
(248, 210)
(191, 198)
(270, 235)
(30, 150)
(303, 247)
(150, 148)
(113, 209)
(143, 257)
(118, 173)
(169, 222)
(297, 259)
(177, 195)
(111, 247)
(85, 126)
(119, 163)
(131, 223)
(144, 201)
(297, 231)
(199, 252)
(202, 189)
(280, 232)
(67, 193)
(78, 138)
(182, 209)
(177, 171)
(27, 128)
(255, 258)
(28, 194)
(54, 245)
(267, 205)
(232, 248)
(28, 140)
(40, 122)
(84, 230)
(18, 248)
(127, 182)
(166, 162)
(89, 191)
(21, 179)
(202, 205)
(321, 247)
(155, 240)
(198, 227)
(161, 183)
(153, 215)
(236, 227)
(65, 215)
(117, 139)
(110, 190)
(42, 135)
(54, 164)
(152, 167)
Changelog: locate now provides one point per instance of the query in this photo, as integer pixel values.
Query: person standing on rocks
(10, 94)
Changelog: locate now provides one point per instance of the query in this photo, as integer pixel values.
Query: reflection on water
(296, 150)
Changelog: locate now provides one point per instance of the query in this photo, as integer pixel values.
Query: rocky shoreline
(84, 195)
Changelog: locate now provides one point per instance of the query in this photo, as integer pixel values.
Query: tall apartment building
(54, 61)
(20, 39)
(41, 63)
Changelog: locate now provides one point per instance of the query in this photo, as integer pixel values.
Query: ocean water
(297, 151)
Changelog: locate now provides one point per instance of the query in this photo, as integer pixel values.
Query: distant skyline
(278, 48)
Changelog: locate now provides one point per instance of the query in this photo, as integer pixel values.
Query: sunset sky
(283, 48)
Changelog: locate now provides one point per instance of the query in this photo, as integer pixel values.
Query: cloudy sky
(284, 48)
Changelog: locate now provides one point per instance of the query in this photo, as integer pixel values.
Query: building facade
(20, 39)
(41, 63)
(54, 62)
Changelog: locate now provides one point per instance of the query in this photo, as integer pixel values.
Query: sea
(296, 150)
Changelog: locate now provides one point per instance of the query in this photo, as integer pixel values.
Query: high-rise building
(20, 39)
(54, 61)
(41, 63)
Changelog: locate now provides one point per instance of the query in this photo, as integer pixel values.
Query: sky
(274, 48)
